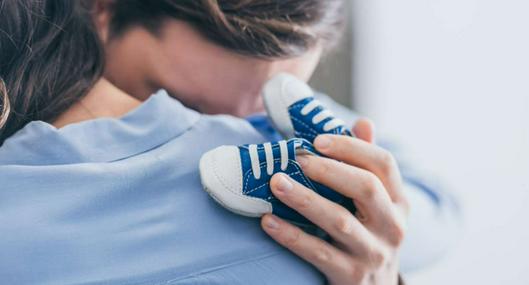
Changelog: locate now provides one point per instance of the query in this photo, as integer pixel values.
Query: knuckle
(387, 162)
(397, 234)
(356, 274)
(292, 239)
(377, 258)
(303, 202)
(344, 223)
(371, 185)
(322, 167)
(323, 255)
(325, 166)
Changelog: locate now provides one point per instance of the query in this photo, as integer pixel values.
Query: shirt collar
(155, 122)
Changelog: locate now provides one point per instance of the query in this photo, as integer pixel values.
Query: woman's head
(50, 57)
(256, 28)
(214, 55)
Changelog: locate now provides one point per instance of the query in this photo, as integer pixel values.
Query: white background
(450, 79)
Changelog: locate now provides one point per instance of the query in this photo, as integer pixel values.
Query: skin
(104, 100)
(208, 78)
(200, 74)
(364, 247)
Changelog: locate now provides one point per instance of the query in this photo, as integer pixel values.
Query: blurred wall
(450, 80)
(333, 75)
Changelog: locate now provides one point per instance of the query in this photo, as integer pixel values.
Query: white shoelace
(269, 157)
(321, 116)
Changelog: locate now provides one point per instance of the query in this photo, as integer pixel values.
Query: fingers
(364, 155)
(364, 129)
(368, 193)
(331, 217)
(338, 266)
(327, 258)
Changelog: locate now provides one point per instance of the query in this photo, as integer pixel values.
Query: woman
(98, 187)
(214, 57)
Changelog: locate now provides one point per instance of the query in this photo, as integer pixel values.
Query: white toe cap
(279, 93)
(288, 88)
(221, 175)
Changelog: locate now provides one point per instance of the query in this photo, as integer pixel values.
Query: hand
(364, 248)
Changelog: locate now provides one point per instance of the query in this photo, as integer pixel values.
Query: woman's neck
(103, 100)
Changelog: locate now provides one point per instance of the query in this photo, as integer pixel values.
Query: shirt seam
(188, 276)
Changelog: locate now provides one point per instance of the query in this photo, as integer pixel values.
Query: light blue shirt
(119, 201)
(113, 201)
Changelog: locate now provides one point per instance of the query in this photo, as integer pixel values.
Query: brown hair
(6, 105)
(257, 28)
(50, 56)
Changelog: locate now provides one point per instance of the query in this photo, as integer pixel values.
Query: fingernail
(283, 183)
(302, 160)
(322, 142)
(271, 223)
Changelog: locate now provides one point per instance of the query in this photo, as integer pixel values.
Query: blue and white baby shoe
(238, 177)
(294, 111)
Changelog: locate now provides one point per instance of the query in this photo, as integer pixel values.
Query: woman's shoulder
(158, 121)
(221, 127)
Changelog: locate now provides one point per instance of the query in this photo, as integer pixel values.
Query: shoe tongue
(342, 130)
(302, 146)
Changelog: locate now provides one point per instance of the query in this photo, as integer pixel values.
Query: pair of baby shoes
(238, 177)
